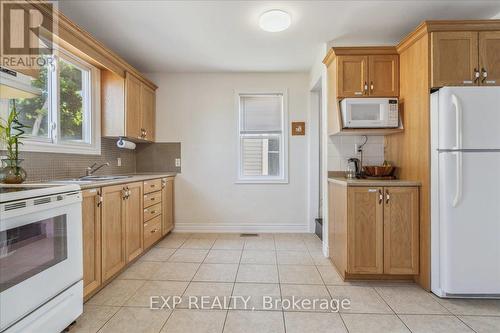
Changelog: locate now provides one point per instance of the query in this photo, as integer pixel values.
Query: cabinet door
(167, 200)
(352, 76)
(133, 221)
(365, 230)
(454, 58)
(132, 107)
(401, 230)
(112, 231)
(384, 75)
(489, 58)
(148, 101)
(91, 219)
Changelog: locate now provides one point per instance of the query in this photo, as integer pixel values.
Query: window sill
(45, 147)
(261, 181)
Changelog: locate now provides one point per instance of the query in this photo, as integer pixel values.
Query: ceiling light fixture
(275, 20)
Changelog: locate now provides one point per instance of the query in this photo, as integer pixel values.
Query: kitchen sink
(97, 178)
(90, 179)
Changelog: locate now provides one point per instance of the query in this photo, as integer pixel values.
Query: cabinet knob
(484, 75)
(477, 75)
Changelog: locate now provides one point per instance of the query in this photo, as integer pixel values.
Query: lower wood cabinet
(91, 220)
(167, 195)
(374, 230)
(132, 215)
(113, 230)
(365, 225)
(401, 230)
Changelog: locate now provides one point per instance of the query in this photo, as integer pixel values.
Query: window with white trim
(63, 113)
(263, 140)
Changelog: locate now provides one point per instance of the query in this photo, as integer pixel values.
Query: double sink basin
(91, 179)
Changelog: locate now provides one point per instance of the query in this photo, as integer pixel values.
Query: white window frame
(54, 144)
(283, 178)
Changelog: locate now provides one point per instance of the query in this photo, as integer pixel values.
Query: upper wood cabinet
(91, 220)
(365, 223)
(383, 75)
(132, 214)
(401, 230)
(133, 107)
(454, 58)
(465, 58)
(489, 57)
(148, 106)
(363, 71)
(167, 195)
(113, 231)
(352, 76)
(128, 107)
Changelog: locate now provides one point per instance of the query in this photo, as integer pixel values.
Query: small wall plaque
(298, 128)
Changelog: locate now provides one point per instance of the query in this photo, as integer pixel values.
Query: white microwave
(370, 112)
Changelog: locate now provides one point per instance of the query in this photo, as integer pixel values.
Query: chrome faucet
(93, 168)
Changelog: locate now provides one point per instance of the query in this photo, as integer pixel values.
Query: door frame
(318, 131)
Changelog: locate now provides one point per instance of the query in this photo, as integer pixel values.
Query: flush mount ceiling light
(275, 20)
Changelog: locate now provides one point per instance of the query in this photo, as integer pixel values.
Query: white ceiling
(214, 36)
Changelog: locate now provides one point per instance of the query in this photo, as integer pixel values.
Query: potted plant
(11, 134)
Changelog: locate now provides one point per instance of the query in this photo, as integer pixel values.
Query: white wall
(198, 110)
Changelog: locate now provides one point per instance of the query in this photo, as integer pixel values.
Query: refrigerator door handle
(458, 121)
(458, 193)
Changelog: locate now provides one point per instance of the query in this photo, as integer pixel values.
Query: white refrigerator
(465, 192)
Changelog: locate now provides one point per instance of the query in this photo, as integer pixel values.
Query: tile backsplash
(341, 148)
(48, 166)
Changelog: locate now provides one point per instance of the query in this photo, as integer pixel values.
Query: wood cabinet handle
(484, 75)
(477, 75)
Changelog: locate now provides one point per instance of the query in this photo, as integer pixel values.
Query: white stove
(41, 269)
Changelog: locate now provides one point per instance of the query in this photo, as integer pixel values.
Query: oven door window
(362, 112)
(31, 248)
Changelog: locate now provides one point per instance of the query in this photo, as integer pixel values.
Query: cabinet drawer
(152, 211)
(152, 185)
(152, 231)
(152, 199)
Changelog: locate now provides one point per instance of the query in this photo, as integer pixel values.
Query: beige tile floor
(281, 266)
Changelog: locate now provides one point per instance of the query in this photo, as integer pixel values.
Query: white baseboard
(240, 228)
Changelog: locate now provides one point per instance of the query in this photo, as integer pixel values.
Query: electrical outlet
(119, 161)
(177, 162)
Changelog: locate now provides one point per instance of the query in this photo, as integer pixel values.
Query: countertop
(133, 178)
(372, 182)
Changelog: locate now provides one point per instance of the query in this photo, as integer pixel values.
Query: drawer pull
(152, 199)
(153, 212)
(154, 231)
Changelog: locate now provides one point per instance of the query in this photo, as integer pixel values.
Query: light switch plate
(119, 162)
(177, 162)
